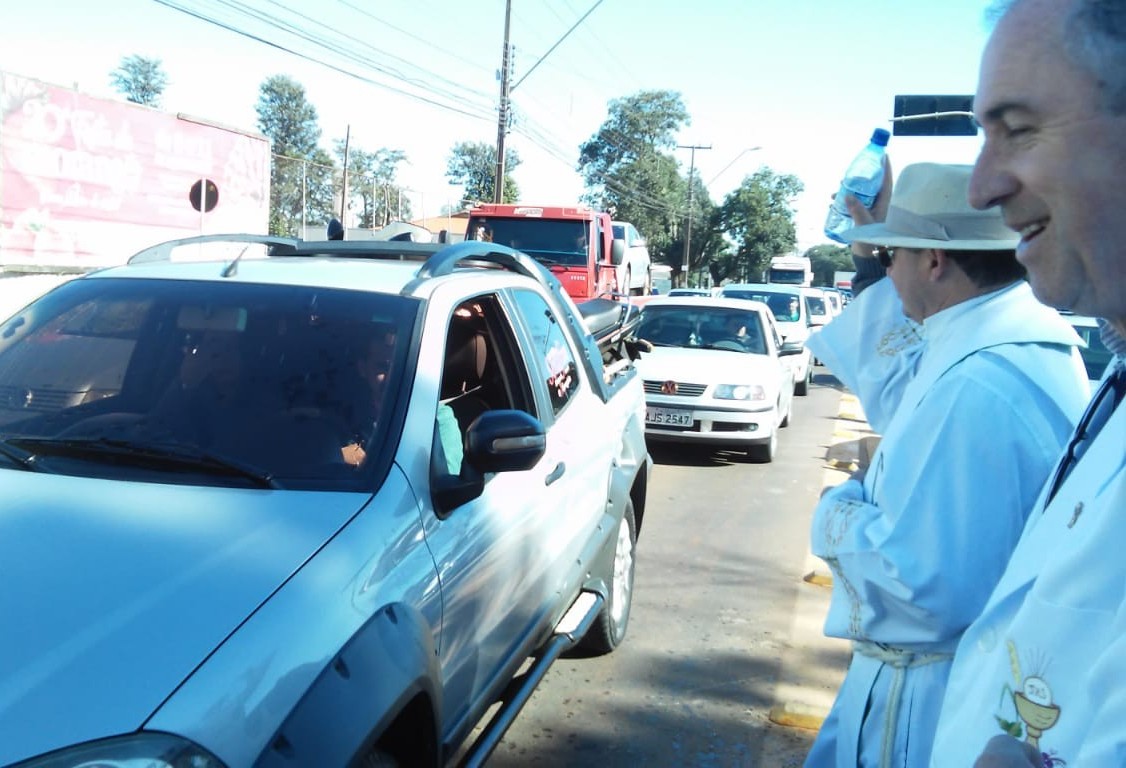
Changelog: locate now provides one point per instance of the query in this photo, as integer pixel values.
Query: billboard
(86, 182)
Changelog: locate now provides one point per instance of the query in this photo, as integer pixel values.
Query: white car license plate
(668, 416)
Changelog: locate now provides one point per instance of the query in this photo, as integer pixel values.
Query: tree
(827, 259)
(371, 178)
(140, 80)
(473, 165)
(301, 174)
(629, 168)
(759, 218)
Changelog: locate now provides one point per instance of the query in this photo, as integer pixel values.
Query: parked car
(792, 315)
(634, 275)
(1096, 357)
(310, 504)
(716, 374)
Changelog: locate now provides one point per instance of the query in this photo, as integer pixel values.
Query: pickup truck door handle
(555, 474)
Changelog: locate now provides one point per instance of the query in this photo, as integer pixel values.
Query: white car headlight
(137, 750)
(740, 392)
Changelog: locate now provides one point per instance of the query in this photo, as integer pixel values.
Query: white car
(634, 275)
(715, 375)
(818, 306)
(792, 316)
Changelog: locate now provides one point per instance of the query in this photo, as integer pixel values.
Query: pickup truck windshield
(549, 241)
(204, 382)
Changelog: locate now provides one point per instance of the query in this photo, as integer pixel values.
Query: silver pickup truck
(282, 503)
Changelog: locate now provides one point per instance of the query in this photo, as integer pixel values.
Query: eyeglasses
(885, 256)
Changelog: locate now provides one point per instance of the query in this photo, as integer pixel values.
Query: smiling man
(1039, 675)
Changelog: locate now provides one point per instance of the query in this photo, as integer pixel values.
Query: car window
(549, 241)
(815, 305)
(275, 380)
(784, 306)
(733, 330)
(551, 353)
(481, 371)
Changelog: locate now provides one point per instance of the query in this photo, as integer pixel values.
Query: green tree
(371, 181)
(140, 80)
(629, 168)
(301, 174)
(759, 219)
(473, 165)
(827, 259)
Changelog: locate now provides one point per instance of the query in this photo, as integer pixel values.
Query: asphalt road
(723, 548)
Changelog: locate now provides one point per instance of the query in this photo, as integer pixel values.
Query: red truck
(575, 242)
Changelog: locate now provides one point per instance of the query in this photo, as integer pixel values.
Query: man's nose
(991, 182)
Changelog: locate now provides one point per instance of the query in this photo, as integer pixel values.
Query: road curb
(795, 715)
(814, 665)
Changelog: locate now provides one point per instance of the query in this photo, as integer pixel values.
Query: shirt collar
(935, 324)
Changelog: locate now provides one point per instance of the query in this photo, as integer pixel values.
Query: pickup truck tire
(609, 629)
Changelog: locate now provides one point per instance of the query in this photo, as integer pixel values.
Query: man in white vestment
(1039, 678)
(975, 387)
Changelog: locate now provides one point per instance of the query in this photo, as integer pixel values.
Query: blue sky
(805, 80)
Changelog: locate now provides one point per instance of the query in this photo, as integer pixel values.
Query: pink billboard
(86, 182)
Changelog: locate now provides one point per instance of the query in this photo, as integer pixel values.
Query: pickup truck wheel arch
(609, 628)
(356, 706)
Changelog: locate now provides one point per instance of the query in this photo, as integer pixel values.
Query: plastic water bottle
(862, 180)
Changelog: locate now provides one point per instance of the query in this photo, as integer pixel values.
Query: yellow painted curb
(795, 715)
(846, 466)
(819, 578)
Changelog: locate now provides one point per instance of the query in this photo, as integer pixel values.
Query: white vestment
(1046, 659)
(975, 418)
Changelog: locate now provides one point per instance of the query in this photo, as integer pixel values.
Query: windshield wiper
(19, 457)
(172, 454)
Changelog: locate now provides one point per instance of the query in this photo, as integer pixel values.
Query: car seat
(462, 372)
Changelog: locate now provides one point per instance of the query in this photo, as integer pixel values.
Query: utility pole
(688, 226)
(502, 120)
(506, 89)
(344, 177)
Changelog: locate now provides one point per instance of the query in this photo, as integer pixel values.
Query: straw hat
(929, 209)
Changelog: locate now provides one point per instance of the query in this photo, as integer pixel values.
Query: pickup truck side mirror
(496, 441)
(617, 252)
(504, 441)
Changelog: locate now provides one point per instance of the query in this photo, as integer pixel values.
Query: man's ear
(937, 264)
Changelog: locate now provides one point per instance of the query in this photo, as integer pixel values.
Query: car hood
(707, 366)
(793, 329)
(112, 593)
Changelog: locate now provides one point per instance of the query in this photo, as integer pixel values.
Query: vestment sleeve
(917, 548)
(873, 348)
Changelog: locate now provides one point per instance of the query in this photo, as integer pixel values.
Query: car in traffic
(271, 502)
(634, 276)
(689, 292)
(792, 316)
(716, 374)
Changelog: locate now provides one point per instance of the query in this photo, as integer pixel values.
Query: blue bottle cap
(880, 136)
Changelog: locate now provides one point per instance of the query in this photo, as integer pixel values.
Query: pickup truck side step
(568, 632)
